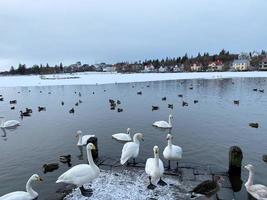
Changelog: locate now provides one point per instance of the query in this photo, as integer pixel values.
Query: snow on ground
(88, 78)
(131, 185)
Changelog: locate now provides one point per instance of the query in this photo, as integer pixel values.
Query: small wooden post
(235, 161)
(93, 140)
(235, 165)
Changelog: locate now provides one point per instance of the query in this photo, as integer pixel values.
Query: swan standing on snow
(9, 123)
(131, 149)
(172, 152)
(257, 191)
(125, 137)
(82, 173)
(164, 124)
(155, 169)
(30, 194)
(82, 139)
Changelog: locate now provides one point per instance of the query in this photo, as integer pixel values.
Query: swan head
(249, 167)
(128, 130)
(91, 146)
(170, 116)
(156, 149)
(78, 133)
(139, 136)
(36, 177)
(169, 137)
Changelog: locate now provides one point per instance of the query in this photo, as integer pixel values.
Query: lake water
(204, 130)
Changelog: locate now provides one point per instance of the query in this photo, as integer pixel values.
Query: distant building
(196, 67)
(109, 68)
(263, 64)
(176, 68)
(241, 65)
(162, 69)
(149, 68)
(215, 66)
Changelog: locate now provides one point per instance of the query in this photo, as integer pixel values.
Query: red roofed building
(216, 66)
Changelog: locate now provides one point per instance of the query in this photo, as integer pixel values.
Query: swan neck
(30, 190)
(135, 140)
(250, 178)
(80, 139)
(156, 156)
(170, 142)
(170, 121)
(90, 158)
(2, 122)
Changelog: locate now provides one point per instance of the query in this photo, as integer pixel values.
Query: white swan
(172, 152)
(82, 139)
(21, 195)
(164, 124)
(125, 137)
(82, 173)
(257, 191)
(9, 123)
(155, 169)
(131, 149)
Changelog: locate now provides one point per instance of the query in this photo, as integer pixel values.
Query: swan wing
(162, 124)
(85, 138)
(19, 195)
(177, 151)
(149, 166)
(130, 149)
(11, 123)
(122, 137)
(258, 191)
(78, 175)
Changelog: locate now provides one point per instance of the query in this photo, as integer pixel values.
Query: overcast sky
(92, 31)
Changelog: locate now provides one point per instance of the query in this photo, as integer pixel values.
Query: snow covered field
(106, 78)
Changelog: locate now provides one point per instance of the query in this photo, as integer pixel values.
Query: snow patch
(107, 78)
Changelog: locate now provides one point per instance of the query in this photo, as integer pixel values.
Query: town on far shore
(224, 61)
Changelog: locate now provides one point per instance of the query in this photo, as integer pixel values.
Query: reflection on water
(205, 130)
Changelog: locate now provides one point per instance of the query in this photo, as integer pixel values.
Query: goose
(155, 169)
(170, 106)
(164, 124)
(131, 149)
(82, 139)
(180, 95)
(30, 194)
(13, 102)
(172, 152)
(40, 108)
(28, 110)
(82, 173)
(9, 123)
(125, 137)
(256, 190)
(184, 103)
(119, 110)
(164, 98)
(24, 114)
(139, 93)
(195, 101)
(208, 188)
(155, 108)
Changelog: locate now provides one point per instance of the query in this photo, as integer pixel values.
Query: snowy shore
(107, 78)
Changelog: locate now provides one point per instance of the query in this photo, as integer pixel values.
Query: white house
(196, 67)
(109, 69)
(162, 69)
(263, 64)
(216, 66)
(241, 64)
(149, 68)
(176, 69)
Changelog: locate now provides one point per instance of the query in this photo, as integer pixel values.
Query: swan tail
(123, 161)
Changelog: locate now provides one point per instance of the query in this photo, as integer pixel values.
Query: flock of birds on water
(82, 174)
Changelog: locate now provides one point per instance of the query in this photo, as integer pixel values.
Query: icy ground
(131, 185)
(106, 78)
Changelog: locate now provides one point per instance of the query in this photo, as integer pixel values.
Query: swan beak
(143, 139)
(40, 179)
(76, 135)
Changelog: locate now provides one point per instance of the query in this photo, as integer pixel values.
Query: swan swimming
(82, 173)
(131, 149)
(30, 194)
(125, 137)
(9, 123)
(155, 169)
(172, 152)
(164, 124)
(256, 190)
(82, 139)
